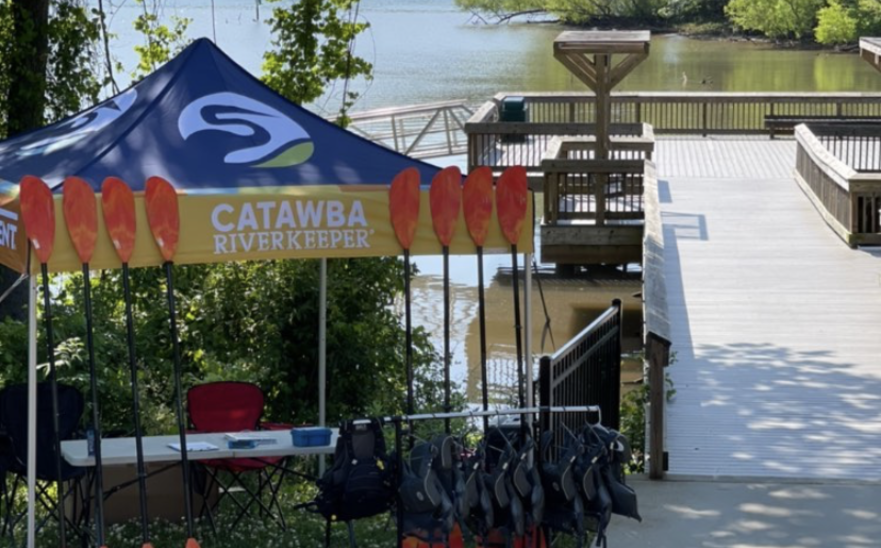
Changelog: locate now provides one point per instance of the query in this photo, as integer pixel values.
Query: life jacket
(502, 458)
(527, 482)
(360, 483)
(588, 472)
(427, 508)
(616, 453)
(449, 467)
(564, 506)
(479, 517)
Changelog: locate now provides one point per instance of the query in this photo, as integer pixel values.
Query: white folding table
(157, 449)
(118, 451)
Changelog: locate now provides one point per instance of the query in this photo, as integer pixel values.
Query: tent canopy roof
(258, 177)
(202, 122)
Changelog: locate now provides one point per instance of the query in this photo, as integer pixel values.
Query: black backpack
(360, 482)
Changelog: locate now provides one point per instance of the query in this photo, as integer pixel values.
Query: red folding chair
(236, 407)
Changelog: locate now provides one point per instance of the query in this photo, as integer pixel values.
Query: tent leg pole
(527, 325)
(322, 354)
(527, 335)
(32, 410)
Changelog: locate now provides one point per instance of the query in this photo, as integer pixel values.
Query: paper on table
(195, 446)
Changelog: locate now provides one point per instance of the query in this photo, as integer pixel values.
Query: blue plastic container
(311, 436)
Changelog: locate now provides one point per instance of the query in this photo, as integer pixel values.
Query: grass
(305, 529)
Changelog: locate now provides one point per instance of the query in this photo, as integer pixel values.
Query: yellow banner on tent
(262, 223)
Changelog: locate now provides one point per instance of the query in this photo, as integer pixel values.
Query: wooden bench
(786, 123)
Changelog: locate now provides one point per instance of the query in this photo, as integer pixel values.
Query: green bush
(836, 25)
(254, 321)
(775, 18)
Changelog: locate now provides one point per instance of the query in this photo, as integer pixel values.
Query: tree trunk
(27, 86)
(26, 103)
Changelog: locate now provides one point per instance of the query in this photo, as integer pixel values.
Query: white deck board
(776, 323)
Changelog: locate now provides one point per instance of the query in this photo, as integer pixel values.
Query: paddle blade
(191, 542)
(118, 206)
(162, 215)
(404, 205)
(80, 216)
(511, 196)
(477, 202)
(445, 198)
(38, 215)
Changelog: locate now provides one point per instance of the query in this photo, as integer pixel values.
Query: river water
(427, 50)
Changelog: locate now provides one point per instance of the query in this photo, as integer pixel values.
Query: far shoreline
(710, 31)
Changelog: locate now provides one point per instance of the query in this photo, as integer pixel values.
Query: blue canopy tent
(199, 107)
(216, 133)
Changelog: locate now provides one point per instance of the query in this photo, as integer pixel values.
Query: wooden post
(854, 221)
(657, 353)
(704, 125)
(588, 55)
(603, 111)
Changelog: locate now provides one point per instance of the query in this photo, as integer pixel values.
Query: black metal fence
(585, 371)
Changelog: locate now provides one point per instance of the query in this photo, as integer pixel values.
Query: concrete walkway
(690, 514)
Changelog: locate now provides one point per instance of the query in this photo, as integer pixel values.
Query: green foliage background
(828, 22)
(250, 321)
(255, 322)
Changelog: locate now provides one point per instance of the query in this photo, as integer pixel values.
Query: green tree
(868, 16)
(835, 25)
(161, 42)
(46, 73)
(775, 18)
(573, 11)
(254, 321)
(312, 47)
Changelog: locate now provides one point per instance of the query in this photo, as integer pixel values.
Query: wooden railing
(656, 333)
(858, 146)
(585, 371)
(552, 114)
(605, 191)
(506, 144)
(849, 199)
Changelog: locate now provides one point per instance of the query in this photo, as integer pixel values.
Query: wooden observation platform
(601, 224)
(870, 51)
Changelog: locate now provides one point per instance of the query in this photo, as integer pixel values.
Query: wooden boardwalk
(776, 324)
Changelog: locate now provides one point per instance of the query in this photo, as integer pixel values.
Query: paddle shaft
(136, 403)
(96, 415)
(518, 328)
(53, 386)
(408, 327)
(447, 407)
(481, 315)
(175, 345)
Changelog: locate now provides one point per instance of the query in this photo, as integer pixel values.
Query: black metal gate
(585, 371)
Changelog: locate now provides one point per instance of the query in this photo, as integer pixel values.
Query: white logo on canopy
(85, 124)
(288, 143)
